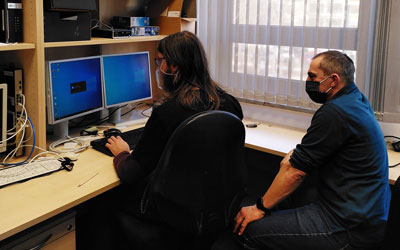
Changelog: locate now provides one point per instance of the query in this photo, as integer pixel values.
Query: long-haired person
(183, 74)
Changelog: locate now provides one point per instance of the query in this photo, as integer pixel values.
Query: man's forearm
(285, 182)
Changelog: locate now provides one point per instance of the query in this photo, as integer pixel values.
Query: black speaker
(11, 21)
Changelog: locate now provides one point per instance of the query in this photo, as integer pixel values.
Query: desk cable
(81, 145)
(395, 145)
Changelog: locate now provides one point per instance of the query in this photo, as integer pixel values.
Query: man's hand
(245, 216)
(117, 145)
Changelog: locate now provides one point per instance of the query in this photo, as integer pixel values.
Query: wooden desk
(279, 141)
(26, 204)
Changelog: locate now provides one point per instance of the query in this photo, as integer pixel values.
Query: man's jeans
(304, 228)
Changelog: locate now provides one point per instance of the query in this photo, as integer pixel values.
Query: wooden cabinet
(33, 53)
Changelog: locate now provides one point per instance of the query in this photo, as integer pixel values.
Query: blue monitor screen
(76, 87)
(126, 78)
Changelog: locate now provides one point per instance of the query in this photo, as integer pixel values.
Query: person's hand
(117, 145)
(245, 216)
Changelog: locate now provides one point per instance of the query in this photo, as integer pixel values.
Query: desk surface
(279, 141)
(26, 204)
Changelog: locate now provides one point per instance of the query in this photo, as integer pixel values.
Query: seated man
(345, 143)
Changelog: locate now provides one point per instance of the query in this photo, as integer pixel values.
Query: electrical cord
(391, 136)
(133, 108)
(82, 145)
(392, 166)
(99, 121)
(20, 126)
(395, 146)
(8, 155)
(17, 147)
(30, 154)
(144, 110)
(25, 121)
(19, 118)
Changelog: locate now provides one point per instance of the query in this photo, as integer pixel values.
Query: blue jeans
(304, 228)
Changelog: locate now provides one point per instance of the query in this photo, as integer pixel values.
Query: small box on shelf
(180, 15)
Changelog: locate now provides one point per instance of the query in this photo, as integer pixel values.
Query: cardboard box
(180, 15)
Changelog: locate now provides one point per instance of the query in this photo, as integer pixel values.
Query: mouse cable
(33, 158)
(46, 152)
(82, 145)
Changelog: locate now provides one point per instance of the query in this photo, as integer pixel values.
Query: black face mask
(312, 89)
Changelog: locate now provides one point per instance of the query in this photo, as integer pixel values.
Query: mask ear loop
(324, 81)
(166, 73)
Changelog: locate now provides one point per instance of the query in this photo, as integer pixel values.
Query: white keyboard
(28, 171)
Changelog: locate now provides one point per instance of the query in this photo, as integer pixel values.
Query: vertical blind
(260, 50)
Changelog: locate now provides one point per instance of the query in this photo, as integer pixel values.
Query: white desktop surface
(272, 139)
(280, 140)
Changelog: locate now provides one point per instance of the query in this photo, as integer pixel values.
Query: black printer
(68, 20)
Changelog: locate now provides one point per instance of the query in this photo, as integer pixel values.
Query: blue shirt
(346, 145)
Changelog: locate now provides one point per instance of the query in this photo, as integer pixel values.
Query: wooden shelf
(16, 46)
(100, 41)
(32, 54)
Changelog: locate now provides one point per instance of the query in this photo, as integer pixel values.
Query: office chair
(199, 182)
(392, 231)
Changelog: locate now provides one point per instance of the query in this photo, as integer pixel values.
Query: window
(260, 50)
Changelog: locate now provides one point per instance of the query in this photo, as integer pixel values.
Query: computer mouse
(112, 132)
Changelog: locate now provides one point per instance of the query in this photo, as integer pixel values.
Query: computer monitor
(126, 79)
(3, 117)
(74, 89)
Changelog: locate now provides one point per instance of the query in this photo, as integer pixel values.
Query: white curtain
(260, 50)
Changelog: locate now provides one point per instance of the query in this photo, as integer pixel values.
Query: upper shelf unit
(101, 41)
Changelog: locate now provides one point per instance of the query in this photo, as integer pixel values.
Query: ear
(173, 68)
(336, 80)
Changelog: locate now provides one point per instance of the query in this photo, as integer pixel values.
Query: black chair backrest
(393, 224)
(200, 173)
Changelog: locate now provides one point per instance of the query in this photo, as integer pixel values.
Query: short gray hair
(337, 62)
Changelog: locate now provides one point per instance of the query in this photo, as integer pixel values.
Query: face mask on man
(312, 89)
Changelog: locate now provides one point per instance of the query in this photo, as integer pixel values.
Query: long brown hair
(192, 84)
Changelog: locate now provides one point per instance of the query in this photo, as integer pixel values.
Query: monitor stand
(133, 118)
(61, 130)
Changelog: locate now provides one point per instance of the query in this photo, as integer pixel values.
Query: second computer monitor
(126, 78)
